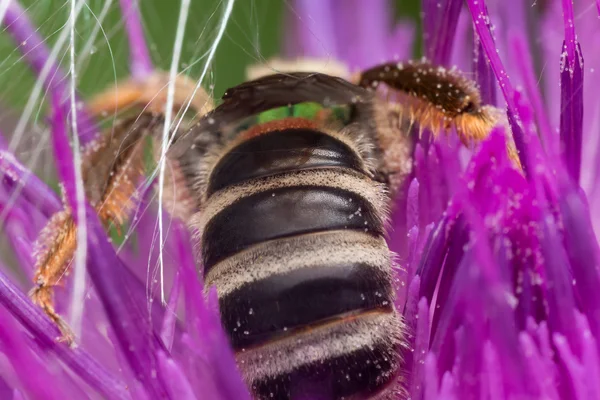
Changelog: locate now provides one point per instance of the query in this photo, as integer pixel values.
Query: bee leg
(439, 99)
(150, 94)
(42, 295)
(111, 168)
(54, 249)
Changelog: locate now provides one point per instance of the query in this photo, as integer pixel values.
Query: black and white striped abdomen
(292, 237)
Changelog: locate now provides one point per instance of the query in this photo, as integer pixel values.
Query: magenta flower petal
(420, 349)
(32, 46)
(356, 32)
(571, 117)
(369, 25)
(458, 239)
(207, 338)
(46, 333)
(537, 365)
(16, 177)
(316, 33)
(583, 253)
(569, 24)
(129, 320)
(64, 156)
(140, 63)
(169, 322)
(484, 76)
(431, 378)
(177, 384)
(520, 141)
(6, 391)
(481, 20)
(36, 379)
(524, 64)
(440, 19)
(559, 293)
(411, 313)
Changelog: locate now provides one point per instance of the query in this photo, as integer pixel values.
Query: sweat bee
(287, 185)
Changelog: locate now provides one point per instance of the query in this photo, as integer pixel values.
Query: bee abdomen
(285, 212)
(276, 152)
(314, 307)
(292, 237)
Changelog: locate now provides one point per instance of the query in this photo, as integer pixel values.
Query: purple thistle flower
(499, 277)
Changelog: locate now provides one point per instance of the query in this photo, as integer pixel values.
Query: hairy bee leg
(439, 99)
(54, 248)
(151, 94)
(42, 295)
(112, 166)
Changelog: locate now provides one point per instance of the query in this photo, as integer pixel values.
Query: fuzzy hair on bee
(287, 186)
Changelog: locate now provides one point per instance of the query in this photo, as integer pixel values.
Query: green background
(253, 33)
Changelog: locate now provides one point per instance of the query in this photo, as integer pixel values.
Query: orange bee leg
(112, 165)
(54, 250)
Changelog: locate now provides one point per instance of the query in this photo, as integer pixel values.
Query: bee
(287, 185)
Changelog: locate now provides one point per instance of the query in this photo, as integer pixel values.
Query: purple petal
(362, 29)
(410, 315)
(590, 359)
(35, 377)
(571, 104)
(207, 338)
(64, 156)
(433, 257)
(15, 175)
(400, 42)
(140, 63)
(32, 46)
(537, 367)
(481, 21)
(430, 378)
(574, 368)
(441, 20)
(420, 349)
(447, 390)
(519, 138)
(315, 28)
(130, 322)
(32, 318)
(583, 253)
(484, 76)
(569, 23)
(468, 359)
(459, 236)
(6, 392)
(170, 320)
(559, 287)
(177, 384)
(412, 206)
(524, 64)
(493, 377)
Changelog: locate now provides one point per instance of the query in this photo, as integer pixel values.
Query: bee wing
(280, 90)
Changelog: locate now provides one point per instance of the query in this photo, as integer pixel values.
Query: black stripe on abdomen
(277, 306)
(282, 213)
(365, 372)
(281, 151)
